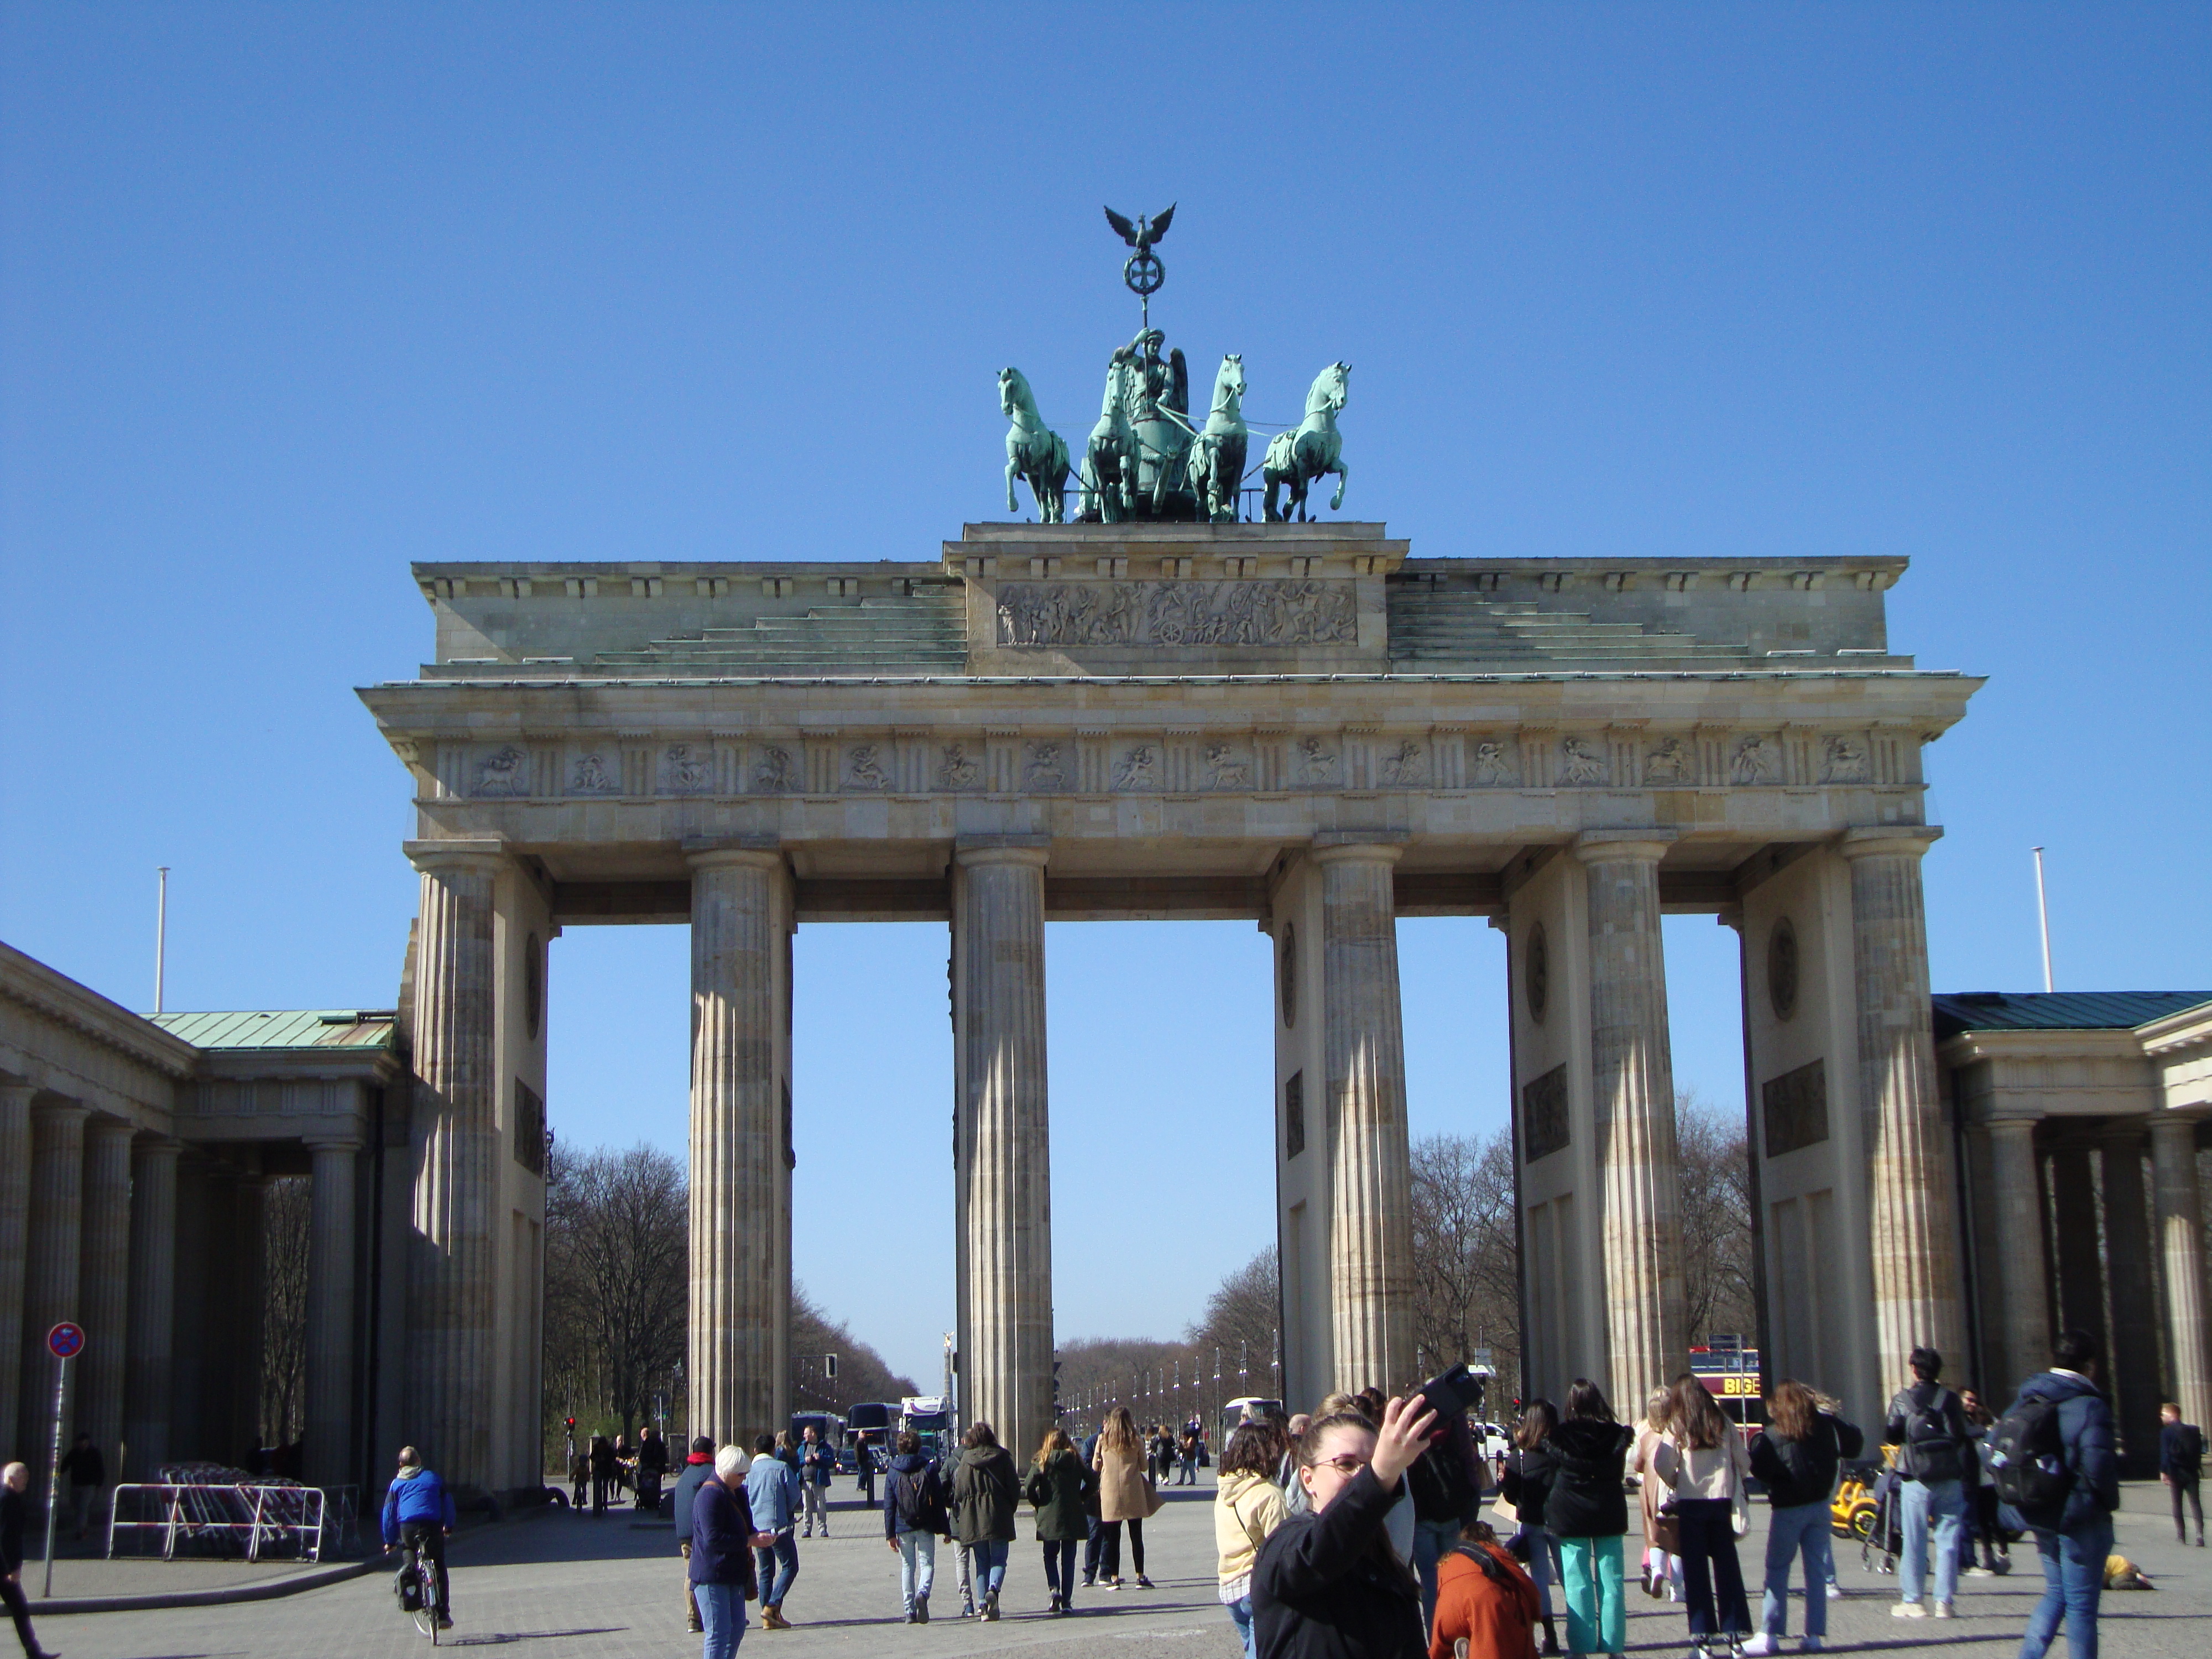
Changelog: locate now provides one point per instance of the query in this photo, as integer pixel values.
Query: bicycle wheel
(426, 1612)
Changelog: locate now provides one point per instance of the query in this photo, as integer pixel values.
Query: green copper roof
(2056, 1011)
(282, 1028)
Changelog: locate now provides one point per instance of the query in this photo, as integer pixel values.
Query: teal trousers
(1597, 1617)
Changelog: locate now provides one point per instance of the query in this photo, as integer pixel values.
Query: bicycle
(420, 1574)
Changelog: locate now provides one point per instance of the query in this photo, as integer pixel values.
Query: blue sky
(292, 294)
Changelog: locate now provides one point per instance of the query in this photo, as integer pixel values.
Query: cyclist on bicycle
(418, 1513)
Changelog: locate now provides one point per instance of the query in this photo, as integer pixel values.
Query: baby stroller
(1884, 1536)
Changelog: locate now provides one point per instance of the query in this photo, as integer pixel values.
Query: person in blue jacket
(2075, 1541)
(772, 1492)
(418, 1513)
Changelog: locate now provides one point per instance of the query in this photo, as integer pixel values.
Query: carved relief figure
(864, 767)
(506, 773)
(1140, 769)
(1491, 765)
(1754, 763)
(1843, 760)
(957, 771)
(1314, 762)
(1580, 763)
(591, 777)
(1225, 769)
(688, 774)
(1254, 613)
(1668, 763)
(1043, 771)
(1404, 766)
(774, 773)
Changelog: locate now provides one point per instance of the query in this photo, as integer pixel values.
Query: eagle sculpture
(1142, 234)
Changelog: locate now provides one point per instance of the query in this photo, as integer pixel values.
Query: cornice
(54, 996)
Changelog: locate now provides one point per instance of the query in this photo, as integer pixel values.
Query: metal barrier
(244, 1520)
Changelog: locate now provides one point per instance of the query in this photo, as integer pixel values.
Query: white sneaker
(1761, 1644)
(1908, 1610)
(1943, 1610)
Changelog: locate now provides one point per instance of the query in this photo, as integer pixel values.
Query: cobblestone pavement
(565, 1587)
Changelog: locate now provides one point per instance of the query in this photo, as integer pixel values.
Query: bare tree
(286, 1211)
(616, 1274)
(1716, 1247)
(1240, 1315)
(1465, 1253)
(862, 1373)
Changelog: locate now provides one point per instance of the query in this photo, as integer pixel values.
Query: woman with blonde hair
(1703, 1459)
(1057, 1483)
(1247, 1506)
(1663, 1542)
(1125, 1495)
(1795, 1457)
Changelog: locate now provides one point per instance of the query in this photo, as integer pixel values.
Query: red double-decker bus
(1730, 1373)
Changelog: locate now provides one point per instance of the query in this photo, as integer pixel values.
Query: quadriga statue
(1298, 457)
(1033, 451)
(1217, 455)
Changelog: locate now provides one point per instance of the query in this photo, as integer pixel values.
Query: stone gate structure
(1297, 725)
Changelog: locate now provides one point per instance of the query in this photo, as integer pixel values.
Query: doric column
(1632, 1095)
(1912, 1216)
(1370, 1233)
(15, 1229)
(2181, 1258)
(1001, 1153)
(2024, 1296)
(49, 1278)
(329, 1312)
(105, 1290)
(456, 1151)
(2074, 1218)
(740, 1284)
(148, 1379)
(2132, 1367)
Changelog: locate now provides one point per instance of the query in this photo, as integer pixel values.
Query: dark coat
(931, 1518)
(2181, 1451)
(2085, 1430)
(695, 1475)
(1588, 1499)
(721, 1539)
(1058, 1487)
(1326, 1587)
(1948, 1455)
(14, 1512)
(1526, 1482)
(1797, 1472)
(986, 1490)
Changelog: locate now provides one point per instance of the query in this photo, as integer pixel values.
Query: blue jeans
(722, 1611)
(2073, 1581)
(777, 1568)
(990, 1558)
(917, 1567)
(1432, 1540)
(1543, 1564)
(1799, 1529)
(1946, 1500)
(1240, 1614)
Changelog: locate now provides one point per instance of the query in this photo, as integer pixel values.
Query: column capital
(336, 1140)
(151, 1145)
(973, 851)
(110, 1128)
(1623, 846)
(21, 1093)
(2178, 1120)
(733, 852)
(1358, 846)
(2015, 1123)
(482, 856)
(61, 1112)
(1888, 841)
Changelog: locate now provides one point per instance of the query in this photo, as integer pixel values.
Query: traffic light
(572, 1425)
(830, 1366)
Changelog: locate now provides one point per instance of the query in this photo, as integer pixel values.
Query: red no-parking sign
(65, 1340)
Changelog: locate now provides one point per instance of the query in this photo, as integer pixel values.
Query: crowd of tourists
(1375, 1528)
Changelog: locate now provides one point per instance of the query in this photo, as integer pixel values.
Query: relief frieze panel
(1178, 614)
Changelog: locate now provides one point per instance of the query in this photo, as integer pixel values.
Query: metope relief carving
(1755, 762)
(593, 773)
(687, 769)
(1249, 613)
(777, 773)
(1316, 761)
(1492, 765)
(1140, 769)
(504, 772)
(1580, 761)
(1668, 763)
(1226, 768)
(1843, 760)
(1404, 766)
(864, 767)
(1044, 769)
(956, 768)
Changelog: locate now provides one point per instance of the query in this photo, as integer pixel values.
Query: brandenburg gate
(1293, 724)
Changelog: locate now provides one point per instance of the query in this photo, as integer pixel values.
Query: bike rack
(249, 1518)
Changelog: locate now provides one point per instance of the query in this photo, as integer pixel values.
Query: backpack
(910, 1492)
(2027, 1460)
(410, 1589)
(1931, 1448)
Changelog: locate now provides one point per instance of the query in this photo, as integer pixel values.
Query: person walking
(603, 1473)
(652, 1469)
(1795, 1457)
(864, 1468)
(2181, 1465)
(14, 1512)
(818, 1465)
(698, 1470)
(721, 1571)
(1526, 1484)
(1588, 1513)
(772, 1494)
(1662, 1539)
(1935, 1464)
(2063, 1486)
(1328, 1583)
(1057, 1483)
(1446, 1481)
(1125, 1497)
(1094, 1529)
(86, 1470)
(1247, 1506)
(580, 1475)
(1991, 1555)
(1704, 1461)
(987, 1492)
(1486, 1604)
(914, 1515)
(419, 1517)
(1186, 1460)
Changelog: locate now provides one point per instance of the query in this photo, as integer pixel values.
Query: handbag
(1739, 1515)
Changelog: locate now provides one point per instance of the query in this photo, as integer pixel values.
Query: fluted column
(1002, 1156)
(49, 1278)
(1632, 1097)
(15, 1231)
(1370, 1232)
(740, 1284)
(105, 1290)
(2181, 1259)
(456, 1151)
(1913, 1221)
(2024, 1295)
(330, 1313)
(148, 1379)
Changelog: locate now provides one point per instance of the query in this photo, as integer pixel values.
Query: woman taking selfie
(1327, 1585)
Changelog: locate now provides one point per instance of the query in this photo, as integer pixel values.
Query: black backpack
(910, 1491)
(1932, 1451)
(2027, 1460)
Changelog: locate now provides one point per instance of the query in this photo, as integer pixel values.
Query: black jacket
(2086, 1433)
(1945, 1449)
(1587, 1500)
(1526, 1482)
(1797, 1472)
(1324, 1587)
(14, 1511)
(2181, 1451)
(985, 1490)
(695, 1476)
(930, 1516)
